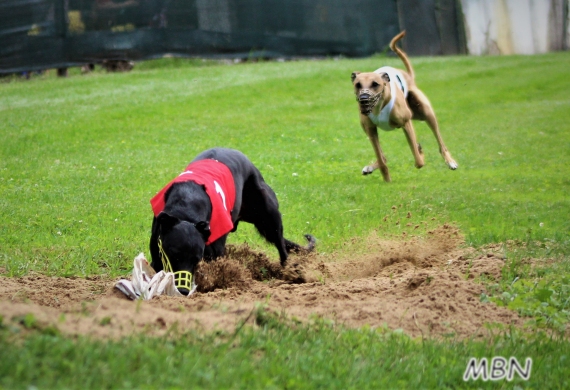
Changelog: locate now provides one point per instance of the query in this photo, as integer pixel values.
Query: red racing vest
(220, 187)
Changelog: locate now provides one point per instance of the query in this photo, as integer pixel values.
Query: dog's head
(182, 243)
(369, 89)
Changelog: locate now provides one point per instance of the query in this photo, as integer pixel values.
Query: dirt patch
(425, 286)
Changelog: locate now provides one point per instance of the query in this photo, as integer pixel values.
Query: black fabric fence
(40, 34)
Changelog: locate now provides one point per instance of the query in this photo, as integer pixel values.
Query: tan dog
(389, 98)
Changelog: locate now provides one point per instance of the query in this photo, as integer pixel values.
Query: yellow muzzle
(183, 279)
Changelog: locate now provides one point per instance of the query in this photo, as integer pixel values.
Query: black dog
(195, 212)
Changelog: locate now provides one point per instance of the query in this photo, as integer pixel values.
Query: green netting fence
(40, 34)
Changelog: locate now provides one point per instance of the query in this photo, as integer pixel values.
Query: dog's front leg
(153, 246)
(414, 146)
(215, 249)
(380, 163)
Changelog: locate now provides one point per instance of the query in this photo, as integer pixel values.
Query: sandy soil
(426, 287)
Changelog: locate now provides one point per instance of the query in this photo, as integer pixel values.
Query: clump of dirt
(241, 266)
(258, 264)
(221, 274)
(301, 269)
(426, 286)
(489, 265)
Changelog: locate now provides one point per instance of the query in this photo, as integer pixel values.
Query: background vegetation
(81, 157)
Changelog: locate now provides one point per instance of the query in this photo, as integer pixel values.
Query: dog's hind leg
(271, 228)
(432, 123)
(262, 210)
(423, 110)
(414, 146)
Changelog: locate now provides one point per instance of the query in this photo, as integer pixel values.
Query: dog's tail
(290, 246)
(401, 53)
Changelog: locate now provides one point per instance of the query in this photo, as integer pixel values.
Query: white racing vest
(397, 80)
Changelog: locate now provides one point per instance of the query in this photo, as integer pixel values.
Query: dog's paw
(452, 165)
(367, 170)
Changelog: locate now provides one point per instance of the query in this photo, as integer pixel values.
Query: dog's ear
(166, 221)
(204, 228)
(353, 76)
(386, 77)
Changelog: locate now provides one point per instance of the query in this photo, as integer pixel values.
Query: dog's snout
(365, 95)
(184, 291)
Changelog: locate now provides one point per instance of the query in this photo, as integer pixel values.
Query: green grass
(274, 356)
(539, 290)
(81, 157)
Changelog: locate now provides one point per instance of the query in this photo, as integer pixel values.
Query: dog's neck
(188, 201)
(384, 101)
(380, 114)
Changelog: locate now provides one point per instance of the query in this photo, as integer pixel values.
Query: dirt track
(424, 286)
